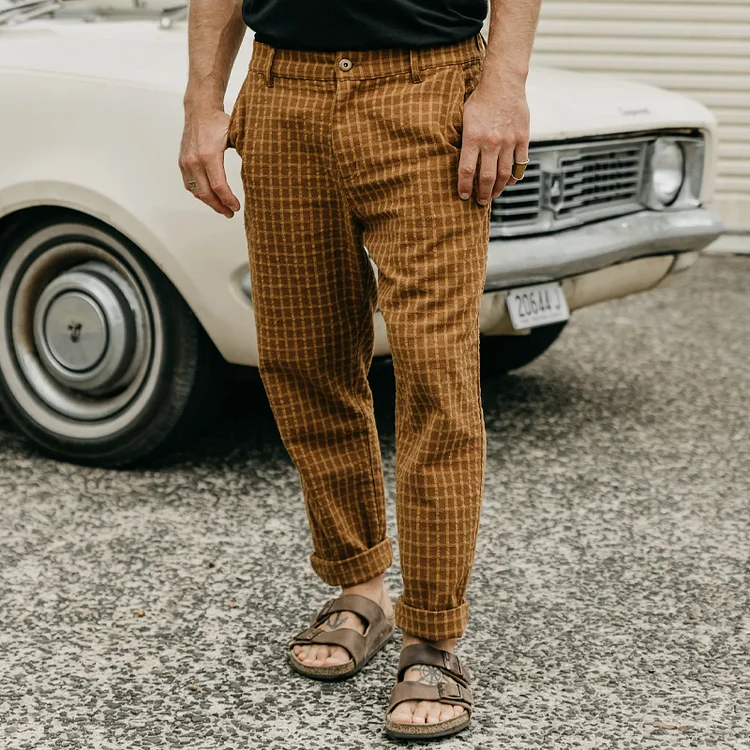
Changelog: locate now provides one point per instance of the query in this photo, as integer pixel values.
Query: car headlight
(667, 170)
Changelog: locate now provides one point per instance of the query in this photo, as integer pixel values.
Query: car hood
(564, 104)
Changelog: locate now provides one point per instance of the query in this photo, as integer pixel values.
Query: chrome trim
(684, 261)
(246, 287)
(514, 261)
(171, 16)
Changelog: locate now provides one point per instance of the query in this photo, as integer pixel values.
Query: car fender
(134, 187)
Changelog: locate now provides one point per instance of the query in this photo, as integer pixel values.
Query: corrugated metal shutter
(697, 47)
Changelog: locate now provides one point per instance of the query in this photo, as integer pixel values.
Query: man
(387, 125)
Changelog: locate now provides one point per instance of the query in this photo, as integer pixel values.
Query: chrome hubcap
(84, 329)
(74, 329)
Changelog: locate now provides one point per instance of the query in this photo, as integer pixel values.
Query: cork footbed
(400, 731)
(337, 671)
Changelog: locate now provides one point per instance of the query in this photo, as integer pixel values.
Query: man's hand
(215, 33)
(204, 142)
(495, 131)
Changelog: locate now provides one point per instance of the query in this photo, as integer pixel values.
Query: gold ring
(518, 173)
(192, 185)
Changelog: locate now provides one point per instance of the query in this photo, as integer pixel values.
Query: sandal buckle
(449, 690)
(452, 662)
(324, 610)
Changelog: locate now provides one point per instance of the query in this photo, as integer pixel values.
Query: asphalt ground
(609, 603)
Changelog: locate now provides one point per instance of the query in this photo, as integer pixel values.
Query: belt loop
(269, 67)
(414, 64)
(481, 44)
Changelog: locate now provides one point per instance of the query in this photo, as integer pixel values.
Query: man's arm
(496, 115)
(215, 33)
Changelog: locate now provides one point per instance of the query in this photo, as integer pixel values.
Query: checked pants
(341, 152)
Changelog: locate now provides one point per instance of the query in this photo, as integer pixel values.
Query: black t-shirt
(340, 25)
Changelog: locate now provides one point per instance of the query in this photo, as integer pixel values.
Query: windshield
(18, 11)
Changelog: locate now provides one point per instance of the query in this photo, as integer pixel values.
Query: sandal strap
(365, 608)
(347, 638)
(452, 694)
(421, 653)
(375, 621)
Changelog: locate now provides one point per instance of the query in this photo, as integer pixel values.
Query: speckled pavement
(610, 599)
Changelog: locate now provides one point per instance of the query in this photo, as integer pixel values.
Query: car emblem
(75, 331)
(555, 192)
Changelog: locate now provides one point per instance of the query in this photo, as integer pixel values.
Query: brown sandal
(458, 694)
(378, 630)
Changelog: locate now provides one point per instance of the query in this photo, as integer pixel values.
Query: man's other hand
(495, 132)
(204, 142)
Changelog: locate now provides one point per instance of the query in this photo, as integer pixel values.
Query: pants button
(346, 65)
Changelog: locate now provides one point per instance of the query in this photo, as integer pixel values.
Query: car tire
(502, 354)
(101, 362)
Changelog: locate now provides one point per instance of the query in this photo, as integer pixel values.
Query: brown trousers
(342, 152)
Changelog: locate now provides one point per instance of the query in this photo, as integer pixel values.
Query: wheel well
(28, 217)
(23, 217)
(34, 215)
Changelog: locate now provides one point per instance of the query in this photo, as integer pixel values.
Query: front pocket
(232, 128)
(238, 117)
(467, 79)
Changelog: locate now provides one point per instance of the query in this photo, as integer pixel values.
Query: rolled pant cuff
(432, 625)
(356, 569)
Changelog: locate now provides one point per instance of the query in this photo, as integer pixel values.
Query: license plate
(539, 305)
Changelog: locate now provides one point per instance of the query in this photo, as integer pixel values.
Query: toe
(304, 656)
(433, 713)
(322, 653)
(420, 712)
(403, 712)
(446, 712)
(311, 656)
(337, 656)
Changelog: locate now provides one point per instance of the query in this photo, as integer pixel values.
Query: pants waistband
(361, 65)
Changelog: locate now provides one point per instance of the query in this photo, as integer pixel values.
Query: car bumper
(517, 261)
(594, 263)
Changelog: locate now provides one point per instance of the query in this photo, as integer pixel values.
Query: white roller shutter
(697, 47)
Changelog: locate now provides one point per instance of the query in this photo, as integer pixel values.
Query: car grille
(573, 184)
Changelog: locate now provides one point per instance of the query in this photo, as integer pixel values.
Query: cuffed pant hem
(357, 569)
(432, 625)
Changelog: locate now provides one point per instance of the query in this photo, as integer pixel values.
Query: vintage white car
(122, 298)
